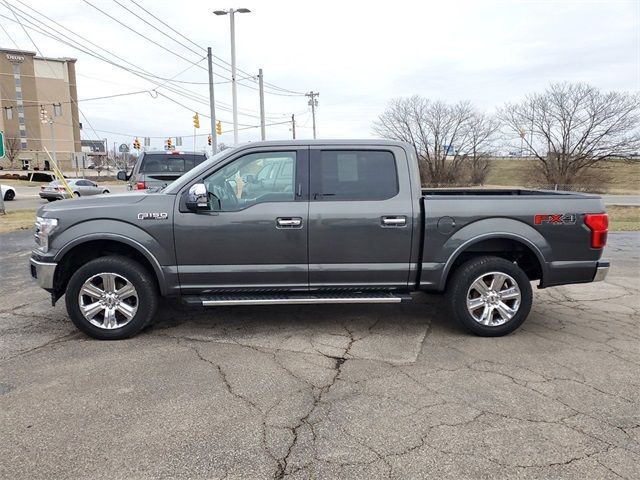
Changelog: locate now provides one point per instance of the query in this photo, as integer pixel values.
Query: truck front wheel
(490, 296)
(111, 298)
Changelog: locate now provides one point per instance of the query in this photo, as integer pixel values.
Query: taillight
(598, 223)
(42, 187)
(140, 186)
(61, 189)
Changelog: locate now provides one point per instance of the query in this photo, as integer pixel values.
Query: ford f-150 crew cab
(303, 222)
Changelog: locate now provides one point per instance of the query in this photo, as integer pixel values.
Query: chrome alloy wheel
(493, 299)
(108, 300)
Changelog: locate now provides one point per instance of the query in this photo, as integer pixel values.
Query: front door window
(252, 179)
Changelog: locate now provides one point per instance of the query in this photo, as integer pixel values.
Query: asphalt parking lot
(324, 391)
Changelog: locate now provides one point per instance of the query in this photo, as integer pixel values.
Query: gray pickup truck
(307, 222)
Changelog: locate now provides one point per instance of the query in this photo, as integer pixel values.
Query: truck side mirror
(122, 175)
(197, 198)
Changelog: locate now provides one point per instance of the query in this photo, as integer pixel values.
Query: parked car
(158, 169)
(79, 186)
(7, 192)
(352, 226)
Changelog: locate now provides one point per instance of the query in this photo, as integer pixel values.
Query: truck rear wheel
(490, 296)
(111, 298)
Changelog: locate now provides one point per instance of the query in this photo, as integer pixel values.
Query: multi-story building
(38, 110)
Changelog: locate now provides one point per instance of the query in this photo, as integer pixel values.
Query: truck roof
(311, 142)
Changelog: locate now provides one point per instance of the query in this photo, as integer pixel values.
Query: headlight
(44, 228)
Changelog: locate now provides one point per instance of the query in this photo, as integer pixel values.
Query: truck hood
(107, 201)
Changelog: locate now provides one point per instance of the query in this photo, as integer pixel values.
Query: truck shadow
(426, 313)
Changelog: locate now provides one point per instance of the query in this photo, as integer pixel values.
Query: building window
(8, 112)
(57, 110)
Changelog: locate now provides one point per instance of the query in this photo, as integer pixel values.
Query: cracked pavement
(332, 391)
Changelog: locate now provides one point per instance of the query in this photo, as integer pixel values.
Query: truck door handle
(395, 221)
(288, 222)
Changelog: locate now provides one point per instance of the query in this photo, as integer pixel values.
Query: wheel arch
(510, 245)
(89, 247)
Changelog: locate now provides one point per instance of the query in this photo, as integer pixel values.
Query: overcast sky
(357, 54)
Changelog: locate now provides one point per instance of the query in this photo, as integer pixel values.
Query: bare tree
(573, 126)
(482, 132)
(440, 133)
(11, 150)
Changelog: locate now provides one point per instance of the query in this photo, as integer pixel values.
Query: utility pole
(262, 123)
(293, 125)
(53, 141)
(212, 105)
(314, 103)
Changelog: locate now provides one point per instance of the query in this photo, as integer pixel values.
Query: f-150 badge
(153, 216)
(555, 219)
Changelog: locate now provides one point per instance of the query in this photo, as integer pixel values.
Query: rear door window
(170, 163)
(354, 175)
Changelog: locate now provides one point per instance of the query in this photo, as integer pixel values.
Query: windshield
(170, 163)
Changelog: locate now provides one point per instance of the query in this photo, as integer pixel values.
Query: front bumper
(601, 271)
(43, 273)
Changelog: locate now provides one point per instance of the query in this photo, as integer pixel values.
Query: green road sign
(1, 144)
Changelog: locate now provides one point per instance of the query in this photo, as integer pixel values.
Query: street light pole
(263, 135)
(234, 87)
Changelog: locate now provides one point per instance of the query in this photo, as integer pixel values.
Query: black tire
(105, 191)
(460, 287)
(51, 199)
(132, 271)
(76, 194)
(9, 195)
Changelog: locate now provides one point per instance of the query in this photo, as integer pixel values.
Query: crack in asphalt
(322, 385)
(283, 462)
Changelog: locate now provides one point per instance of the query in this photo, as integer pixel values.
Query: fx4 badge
(555, 219)
(153, 216)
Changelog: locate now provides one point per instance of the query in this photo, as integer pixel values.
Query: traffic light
(169, 143)
(136, 144)
(219, 127)
(196, 121)
(209, 140)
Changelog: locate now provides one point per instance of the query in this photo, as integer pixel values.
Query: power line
(47, 63)
(168, 26)
(9, 36)
(136, 32)
(249, 76)
(140, 73)
(157, 29)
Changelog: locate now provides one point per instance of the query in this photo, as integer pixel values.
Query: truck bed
(484, 192)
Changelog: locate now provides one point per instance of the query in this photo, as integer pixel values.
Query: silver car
(79, 186)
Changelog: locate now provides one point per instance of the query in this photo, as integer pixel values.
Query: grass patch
(623, 218)
(20, 183)
(17, 220)
(621, 177)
